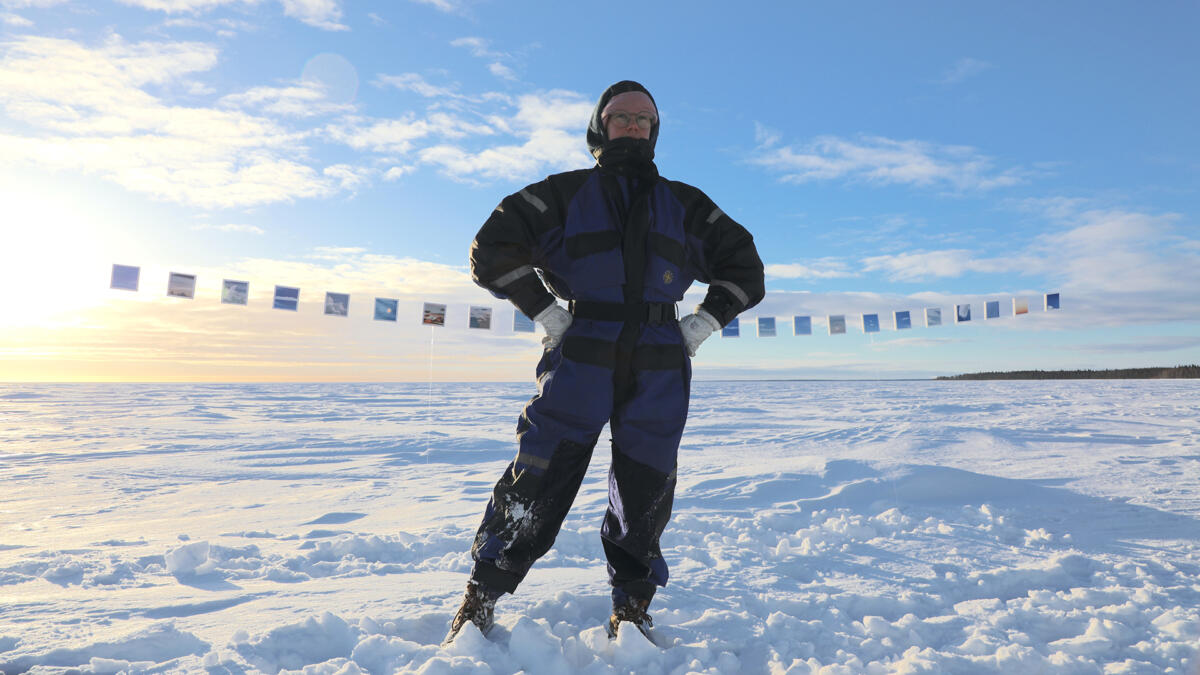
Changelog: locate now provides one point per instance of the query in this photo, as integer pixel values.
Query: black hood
(597, 136)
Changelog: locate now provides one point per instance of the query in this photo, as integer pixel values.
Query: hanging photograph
(903, 319)
(802, 325)
(480, 317)
(1051, 301)
(731, 329)
(337, 304)
(385, 309)
(235, 292)
(992, 309)
(870, 323)
(522, 323)
(933, 316)
(962, 313)
(433, 314)
(125, 277)
(287, 297)
(1020, 306)
(766, 326)
(837, 324)
(181, 285)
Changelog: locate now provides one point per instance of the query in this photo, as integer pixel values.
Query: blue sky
(886, 157)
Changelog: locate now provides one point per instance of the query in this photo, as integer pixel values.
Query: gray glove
(555, 320)
(696, 328)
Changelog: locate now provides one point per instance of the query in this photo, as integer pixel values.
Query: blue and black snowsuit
(621, 245)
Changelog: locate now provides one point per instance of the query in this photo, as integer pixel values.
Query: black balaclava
(621, 150)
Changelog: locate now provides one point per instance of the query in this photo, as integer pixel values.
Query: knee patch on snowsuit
(525, 513)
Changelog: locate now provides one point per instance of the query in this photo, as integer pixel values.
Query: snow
(820, 527)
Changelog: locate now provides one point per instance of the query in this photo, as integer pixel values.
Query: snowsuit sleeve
(724, 257)
(505, 252)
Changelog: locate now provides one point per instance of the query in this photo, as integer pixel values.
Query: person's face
(631, 115)
(622, 123)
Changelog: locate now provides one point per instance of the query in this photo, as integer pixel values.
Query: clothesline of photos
(126, 277)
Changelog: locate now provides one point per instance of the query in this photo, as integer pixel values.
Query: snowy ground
(833, 527)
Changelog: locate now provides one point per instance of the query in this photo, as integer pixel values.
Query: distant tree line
(1192, 371)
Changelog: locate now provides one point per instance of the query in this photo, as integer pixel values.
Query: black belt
(635, 312)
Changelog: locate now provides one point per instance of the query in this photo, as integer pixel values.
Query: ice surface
(820, 527)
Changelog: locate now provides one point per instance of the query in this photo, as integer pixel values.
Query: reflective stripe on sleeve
(716, 213)
(534, 200)
(735, 289)
(512, 276)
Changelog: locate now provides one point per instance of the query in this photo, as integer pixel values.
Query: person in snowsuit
(621, 245)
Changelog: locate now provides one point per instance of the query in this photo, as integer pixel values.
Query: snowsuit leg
(646, 431)
(557, 430)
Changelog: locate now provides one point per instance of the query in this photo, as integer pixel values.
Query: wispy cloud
(826, 268)
(962, 70)
(481, 48)
(300, 99)
(325, 14)
(883, 161)
(919, 265)
(1157, 343)
(230, 227)
(447, 6)
(10, 19)
(89, 109)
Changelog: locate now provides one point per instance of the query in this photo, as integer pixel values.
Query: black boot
(630, 610)
(478, 607)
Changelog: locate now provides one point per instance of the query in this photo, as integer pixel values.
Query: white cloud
(89, 111)
(541, 132)
(964, 69)
(397, 172)
(10, 19)
(349, 177)
(481, 48)
(885, 161)
(231, 227)
(302, 99)
(478, 47)
(417, 84)
(765, 136)
(826, 268)
(318, 13)
(502, 71)
(26, 4)
(448, 6)
(919, 265)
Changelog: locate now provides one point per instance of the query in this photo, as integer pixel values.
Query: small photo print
(903, 319)
(235, 292)
(181, 285)
(287, 297)
(992, 309)
(933, 316)
(837, 324)
(802, 325)
(766, 326)
(385, 309)
(870, 323)
(1020, 306)
(1051, 301)
(125, 277)
(337, 304)
(433, 314)
(522, 323)
(480, 317)
(962, 313)
(731, 329)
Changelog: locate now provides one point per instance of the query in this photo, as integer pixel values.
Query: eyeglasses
(644, 120)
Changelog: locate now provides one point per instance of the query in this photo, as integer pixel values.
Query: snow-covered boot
(478, 607)
(630, 610)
